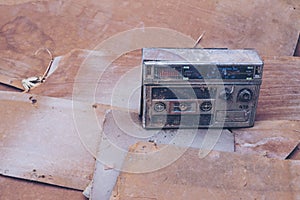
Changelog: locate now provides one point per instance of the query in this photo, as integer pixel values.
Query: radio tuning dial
(245, 95)
(225, 94)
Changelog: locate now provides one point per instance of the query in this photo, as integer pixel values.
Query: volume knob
(245, 95)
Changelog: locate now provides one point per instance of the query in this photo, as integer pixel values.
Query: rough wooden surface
(122, 129)
(273, 105)
(220, 175)
(12, 188)
(272, 139)
(66, 25)
(279, 98)
(280, 93)
(40, 140)
(63, 26)
(276, 131)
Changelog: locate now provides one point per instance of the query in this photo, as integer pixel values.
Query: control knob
(245, 95)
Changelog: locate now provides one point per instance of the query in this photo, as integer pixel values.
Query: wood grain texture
(280, 93)
(219, 175)
(276, 130)
(279, 97)
(41, 142)
(12, 188)
(65, 25)
(271, 139)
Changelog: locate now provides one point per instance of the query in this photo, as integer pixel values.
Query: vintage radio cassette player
(199, 88)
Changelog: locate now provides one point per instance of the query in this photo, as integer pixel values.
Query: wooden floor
(72, 29)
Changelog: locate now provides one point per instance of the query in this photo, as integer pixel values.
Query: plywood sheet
(40, 140)
(272, 139)
(85, 70)
(63, 26)
(219, 175)
(124, 129)
(276, 130)
(279, 98)
(121, 130)
(12, 188)
(280, 91)
(66, 25)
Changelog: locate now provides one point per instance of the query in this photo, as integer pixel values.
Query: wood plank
(220, 175)
(41, 139)
(47, 24)
(276, 130)
(280, 97)
(272, 139)
(12, 188)
(121, 130)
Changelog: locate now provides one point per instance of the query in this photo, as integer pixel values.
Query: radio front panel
(214, 92)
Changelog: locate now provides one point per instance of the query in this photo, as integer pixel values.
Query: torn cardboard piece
(40, 140)
(220, 175)
(272, 139)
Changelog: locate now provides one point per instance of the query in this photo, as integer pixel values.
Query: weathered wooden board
(280, 92)
(276, 131)
(65, 25)
(40, 139)
(60, 84)
(123, 130)
(219, 175)
(12, 188)
(272, 139)
(279, 98)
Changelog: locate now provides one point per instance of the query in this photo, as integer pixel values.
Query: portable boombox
(194, 88)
